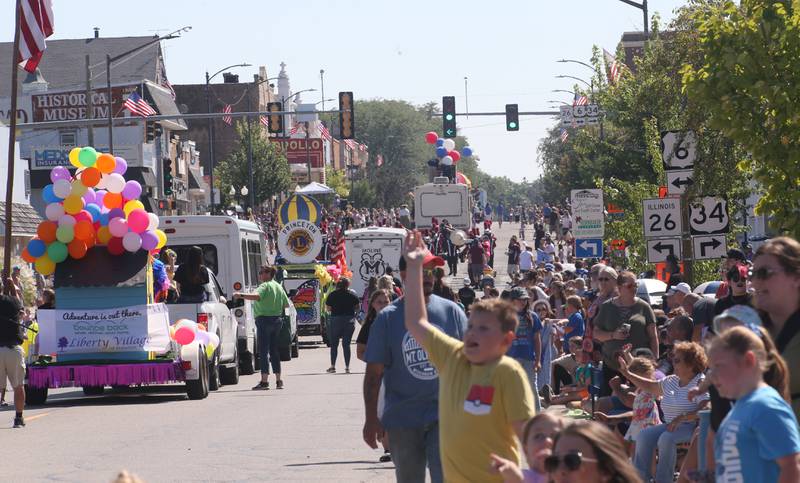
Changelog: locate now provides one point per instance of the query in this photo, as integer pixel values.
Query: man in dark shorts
(12, 357)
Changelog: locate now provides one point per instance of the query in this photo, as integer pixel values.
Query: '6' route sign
(709, 215)
(662, 218)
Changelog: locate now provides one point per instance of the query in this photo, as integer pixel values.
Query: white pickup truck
(215, 316)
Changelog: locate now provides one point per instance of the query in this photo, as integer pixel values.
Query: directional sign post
(589, 248)
(659, 249)
(709, 247)
(678, 181)
(662, 218)
(678, 149)
(576, 116)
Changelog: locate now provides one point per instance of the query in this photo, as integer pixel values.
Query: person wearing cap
(411, 409)
(527, 346)
(737, 292)
(731, 259)
(676, 294)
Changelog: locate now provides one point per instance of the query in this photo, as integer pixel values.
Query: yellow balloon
(73, 157)
(162, 239)
(73, 204)
(78, 188)
(44, 265)
(103, 235)
(132, 205)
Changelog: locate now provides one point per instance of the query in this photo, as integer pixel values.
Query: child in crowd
(573, 325)
(527, 345)
(537, 443)
(485, 398)
(758, 439)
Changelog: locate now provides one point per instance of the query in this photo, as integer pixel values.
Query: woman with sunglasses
(776, 280)
(738, 294)
(606, 290)
(588, 452)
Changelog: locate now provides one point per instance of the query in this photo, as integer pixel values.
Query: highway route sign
(658, 249)
(678, 149)
(662, 218)
(709, 247)
(709, 216)
(575, 116)
(589, 248)
(678, 181)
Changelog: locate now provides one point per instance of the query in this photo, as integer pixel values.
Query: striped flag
(138, 106)
(227, 119)
(165, 83)
(613, 67)
(580, 100)
(379, 160)
(564, 135)
(339, 254)
(323, 131)
(36, 24)
(297, 127)
(263, 120)
(351, 144)
(362, 147)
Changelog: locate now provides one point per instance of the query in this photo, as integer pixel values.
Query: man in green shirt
(269, 302)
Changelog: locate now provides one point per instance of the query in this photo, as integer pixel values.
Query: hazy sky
(414, 50)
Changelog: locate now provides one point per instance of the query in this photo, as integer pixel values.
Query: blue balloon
(441, 151)
(103, 219)
(93, 210)
(439, 142)
(49, 195)
(37, 248)
(467, 151)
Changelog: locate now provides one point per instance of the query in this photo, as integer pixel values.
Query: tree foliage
(337, 181)
(270, 168)
(748, 84)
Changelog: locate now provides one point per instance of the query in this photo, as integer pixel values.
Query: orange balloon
(27, 256)
(91, 176)
(77, 249)
(84, 230)
(103, 235)
(91, 241)
(112, 200)
(105, 163)
(47, 231)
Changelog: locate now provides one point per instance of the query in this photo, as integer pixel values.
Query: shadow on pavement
(328, 463)
(118, 396)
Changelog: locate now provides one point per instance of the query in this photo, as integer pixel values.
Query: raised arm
(648, 385)
(416, 315)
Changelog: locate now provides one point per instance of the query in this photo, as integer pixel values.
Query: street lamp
(591, 86)
(575, 62)
(283, 102)
(643, 7)
(211, 126)
(557, 102)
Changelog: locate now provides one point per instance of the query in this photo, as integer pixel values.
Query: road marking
(31, 418)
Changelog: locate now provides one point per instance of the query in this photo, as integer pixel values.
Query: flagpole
(12, 140)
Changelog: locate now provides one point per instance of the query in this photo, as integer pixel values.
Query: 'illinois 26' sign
(300, 241)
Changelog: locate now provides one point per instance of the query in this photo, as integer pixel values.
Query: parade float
(98, 243)
(447, 195)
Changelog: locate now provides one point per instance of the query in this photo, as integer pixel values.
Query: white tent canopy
(314, 188)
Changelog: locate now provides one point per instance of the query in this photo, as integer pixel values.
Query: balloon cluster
(186, 331)
(96, 206)
(446, 149)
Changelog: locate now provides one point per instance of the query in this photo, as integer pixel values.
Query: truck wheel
(213, 372)
(229, 375)
(295, 347)
(35, 396)
(93, 390)
(198, 388)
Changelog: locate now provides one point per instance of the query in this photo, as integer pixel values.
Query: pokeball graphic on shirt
(479, 400)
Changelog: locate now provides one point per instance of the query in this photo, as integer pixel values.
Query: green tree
(748, 84)
(270, 168)
(336, 180)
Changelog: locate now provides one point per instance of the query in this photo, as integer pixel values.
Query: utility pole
(89, 102)
(308, 154)
(250, 156)
(12, 141)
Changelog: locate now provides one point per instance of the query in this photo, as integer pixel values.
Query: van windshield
(209, 255)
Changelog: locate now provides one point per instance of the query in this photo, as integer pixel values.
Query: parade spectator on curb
(411, 414)
(680, 413)
(270, 301)
(372, 286)
(588, 452)
(526, 347)
(625, 319)
(12, 357)
(737, 292)
(676, 294)
(387, 283)
(732, 258)
(485, 397)
(342, 304)
(776, 280)
(679, 329)
(701, 310)
(537, 443)
(557, 298)
(606, 282)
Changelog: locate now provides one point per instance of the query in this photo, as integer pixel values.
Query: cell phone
(626, 328)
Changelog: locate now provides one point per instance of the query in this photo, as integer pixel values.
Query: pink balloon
(431, 137)
(118, 227)
(184, 336)
(83, 215)
(138, 221)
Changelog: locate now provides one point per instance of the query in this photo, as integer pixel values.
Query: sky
(412, 50)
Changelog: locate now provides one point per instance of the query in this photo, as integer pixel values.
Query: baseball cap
(430, 259)
(549, 267)
(743, 313)
(736, 254)
(519, 293)
(682, 287)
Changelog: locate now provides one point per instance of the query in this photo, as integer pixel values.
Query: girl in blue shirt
(527, 345)
(573, 325)
(758, 441)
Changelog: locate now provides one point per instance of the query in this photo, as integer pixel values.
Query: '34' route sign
(709, 216)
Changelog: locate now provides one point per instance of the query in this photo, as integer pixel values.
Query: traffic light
(152, 131)
(449, 116)
(167, 177)
(275, 121)
(346, 119)
(512, 117)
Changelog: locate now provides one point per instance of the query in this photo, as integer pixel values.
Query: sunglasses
(571, 461)
(427, 271)
(763, 273)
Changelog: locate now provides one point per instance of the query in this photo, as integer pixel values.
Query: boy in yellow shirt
(484, 397)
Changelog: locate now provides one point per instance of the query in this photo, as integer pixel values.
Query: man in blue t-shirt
(411, 409)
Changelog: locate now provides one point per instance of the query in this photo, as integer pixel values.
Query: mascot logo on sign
(372, 265)
(300, 242)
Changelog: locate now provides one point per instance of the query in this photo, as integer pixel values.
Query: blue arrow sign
(589, 248)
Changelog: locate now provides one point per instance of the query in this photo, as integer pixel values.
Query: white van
(234, 250)
(442, 201)
(370, 251)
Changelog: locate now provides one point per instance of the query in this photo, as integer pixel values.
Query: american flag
(379, 160)
(263, 120)
(362, 147)
(580, 100)
(613, 67)
(297, 126)
(564, 135)
(138, 106)
(165, 83)
(338, 256)
(227, 119)
(351, 144)
(323, 131)
(36, 24)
